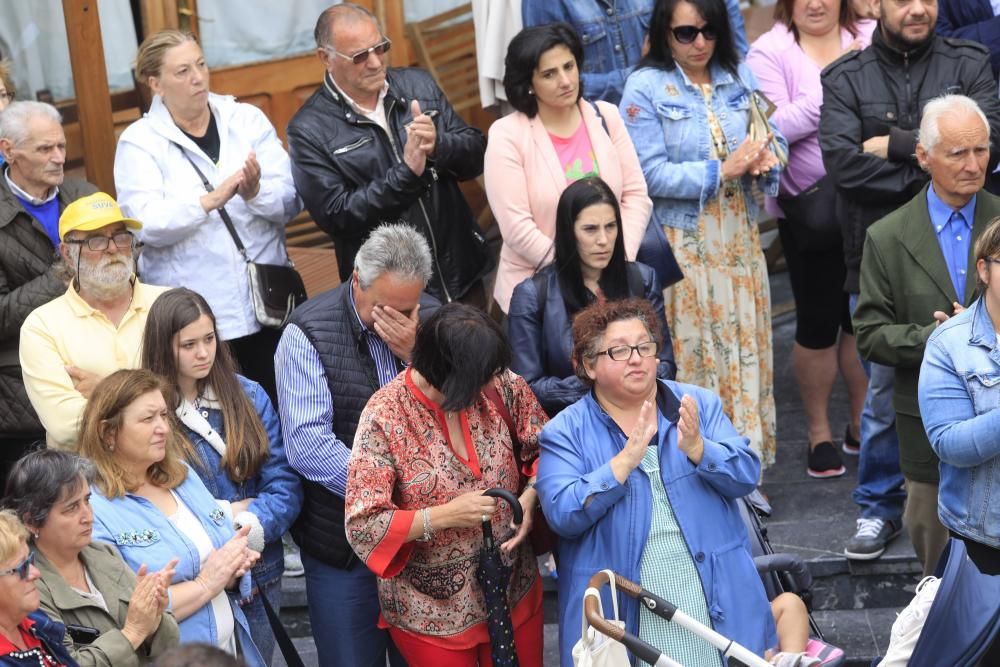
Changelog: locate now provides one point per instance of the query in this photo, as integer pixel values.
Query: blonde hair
(13, 534)
(102, 420)
(987, 247)
(5, 76)
(149, 59)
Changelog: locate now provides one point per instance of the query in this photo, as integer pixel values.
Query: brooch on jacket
(217, 515)
(134, 538)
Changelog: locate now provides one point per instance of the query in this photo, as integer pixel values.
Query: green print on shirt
(574, 170)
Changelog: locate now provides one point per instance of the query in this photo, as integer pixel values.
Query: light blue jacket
(604, 524)
(143, 534)
(612, 33)
(276, 489)
(666, 116)
(959, 393)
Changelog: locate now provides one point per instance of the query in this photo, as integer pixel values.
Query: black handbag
(654, 250)
(813, 214)
(275, 289)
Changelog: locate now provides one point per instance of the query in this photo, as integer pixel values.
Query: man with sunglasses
(376, 145)
(33, 193)
(95, 328)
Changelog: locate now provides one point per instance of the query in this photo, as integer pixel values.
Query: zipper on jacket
(423, 209)
(909, 89)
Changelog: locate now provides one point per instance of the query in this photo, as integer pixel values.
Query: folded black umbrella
(494, 577)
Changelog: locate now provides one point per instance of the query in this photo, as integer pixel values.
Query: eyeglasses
(624, 352)
(686, 34)
(361, 57)
(98, 243)
(22, 568)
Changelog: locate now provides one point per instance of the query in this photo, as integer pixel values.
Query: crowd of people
(161, 435)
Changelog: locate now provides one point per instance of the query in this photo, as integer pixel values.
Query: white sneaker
(909, 624)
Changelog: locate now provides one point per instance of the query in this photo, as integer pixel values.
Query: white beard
(108, 280)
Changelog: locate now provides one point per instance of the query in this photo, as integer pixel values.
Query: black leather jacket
(352, 178)
(882, 91)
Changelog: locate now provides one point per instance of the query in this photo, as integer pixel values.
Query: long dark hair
(580, 195)
(715, 15)
(247, 445)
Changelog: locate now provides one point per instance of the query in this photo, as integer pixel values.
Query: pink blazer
(524, 180)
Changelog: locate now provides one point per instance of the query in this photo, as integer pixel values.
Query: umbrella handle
(515, 506)
(510, 498)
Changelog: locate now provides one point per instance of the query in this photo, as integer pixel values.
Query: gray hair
(40, 479)
(346, 11)
(398, 249)
(15, 118)
(930, 122)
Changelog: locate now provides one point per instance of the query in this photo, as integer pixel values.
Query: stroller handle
(735, 653)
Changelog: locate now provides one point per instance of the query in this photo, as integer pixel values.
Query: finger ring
(485, 518)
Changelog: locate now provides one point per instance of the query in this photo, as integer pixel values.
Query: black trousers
(254, 354)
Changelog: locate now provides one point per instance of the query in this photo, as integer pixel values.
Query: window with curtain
(33, 36)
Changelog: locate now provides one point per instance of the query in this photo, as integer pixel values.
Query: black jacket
(28, 279)
(328, 321)
(352, 177)
(881, 91)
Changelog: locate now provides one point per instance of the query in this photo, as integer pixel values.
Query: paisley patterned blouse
(402, 461)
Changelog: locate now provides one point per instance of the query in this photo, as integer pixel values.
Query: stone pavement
(855, 603)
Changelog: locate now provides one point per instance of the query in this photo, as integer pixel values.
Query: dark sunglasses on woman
(686, 34)
(22, 568)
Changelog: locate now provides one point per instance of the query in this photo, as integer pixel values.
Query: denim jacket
(959, 394)
(604, 524)
(50, 633)
(667, 119)
(612, 33)
(143, 534)
(277, 490)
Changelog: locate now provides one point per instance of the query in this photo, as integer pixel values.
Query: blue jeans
(879, 493)
(343, 611)
(260, 628)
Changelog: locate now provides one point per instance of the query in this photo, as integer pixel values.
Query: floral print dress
(720, 314)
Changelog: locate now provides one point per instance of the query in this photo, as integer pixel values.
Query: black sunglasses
(361, 57)
(21, 569)
(685, 34)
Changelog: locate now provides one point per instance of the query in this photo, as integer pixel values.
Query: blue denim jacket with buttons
(276, 489)
(612, 33)
(667, 118)
(144, 534)
(959, 394)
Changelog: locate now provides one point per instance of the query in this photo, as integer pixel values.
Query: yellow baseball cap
(93, 212)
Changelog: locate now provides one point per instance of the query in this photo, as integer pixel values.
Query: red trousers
(419, 653)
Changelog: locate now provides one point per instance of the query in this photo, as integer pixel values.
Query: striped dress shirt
(306, 407)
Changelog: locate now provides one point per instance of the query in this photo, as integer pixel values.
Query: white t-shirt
(188, 524)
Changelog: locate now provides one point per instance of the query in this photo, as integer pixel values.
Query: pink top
(524, 178)
(576, 154)
(791, 80)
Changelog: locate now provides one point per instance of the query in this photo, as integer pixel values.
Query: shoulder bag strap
(222, 209)
(288, 650)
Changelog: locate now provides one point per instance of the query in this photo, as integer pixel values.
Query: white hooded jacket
(184, 245)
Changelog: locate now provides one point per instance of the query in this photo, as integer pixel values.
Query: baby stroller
(964, 618)
(779, 572)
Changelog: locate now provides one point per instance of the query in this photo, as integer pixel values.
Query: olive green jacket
(904, 279)
(113, 578)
